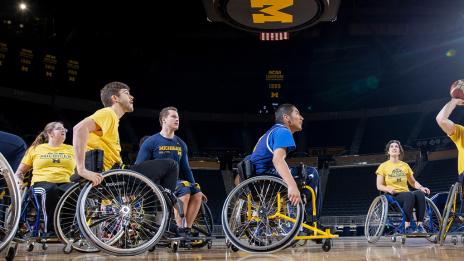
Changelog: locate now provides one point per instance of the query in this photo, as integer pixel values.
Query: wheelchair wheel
(376, 219)
(10, 203)
(125, 215)
(448, 213)
(432, 220)
(249, 215)
(65, 221)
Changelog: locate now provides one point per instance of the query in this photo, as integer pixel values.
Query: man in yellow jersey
(454, 131)
(100, 131)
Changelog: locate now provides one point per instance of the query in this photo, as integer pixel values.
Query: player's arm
(443, 116)
(282, 168)
(80, 135)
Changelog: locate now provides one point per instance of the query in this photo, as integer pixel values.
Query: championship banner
(3, 52)
(274, 83)
(50, 62)
(25, 60)
(72, 70)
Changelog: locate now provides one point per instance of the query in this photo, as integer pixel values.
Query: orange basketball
(457, 89)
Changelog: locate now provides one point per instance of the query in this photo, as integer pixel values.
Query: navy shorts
(184, 187)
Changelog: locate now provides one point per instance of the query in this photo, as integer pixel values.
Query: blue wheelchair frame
(399, 229)
(33, 229)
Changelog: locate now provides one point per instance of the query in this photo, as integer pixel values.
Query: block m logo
(272, 10)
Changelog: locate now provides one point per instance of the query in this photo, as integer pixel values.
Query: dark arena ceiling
(377, 53)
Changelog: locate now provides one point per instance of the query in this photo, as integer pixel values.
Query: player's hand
(20, 183)
(392, 191)
(294, 194)
(91, 176)
(458, 102)
(425, 190)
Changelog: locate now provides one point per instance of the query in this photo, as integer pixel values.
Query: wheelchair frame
(10, 203)
(245, 170)
(389, 202)
(450, 214)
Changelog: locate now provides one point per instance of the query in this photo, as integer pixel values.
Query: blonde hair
(43, 136)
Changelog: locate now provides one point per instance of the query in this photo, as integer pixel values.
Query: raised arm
(443, 116)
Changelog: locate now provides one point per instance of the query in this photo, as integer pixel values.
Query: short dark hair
(164, 113)
(387, 148)
(283, 109)
(109, 90)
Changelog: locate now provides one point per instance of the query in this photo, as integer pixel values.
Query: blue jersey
(159, 147)
(276, 137)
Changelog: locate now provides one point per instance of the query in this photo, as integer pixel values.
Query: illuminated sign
(271, 15)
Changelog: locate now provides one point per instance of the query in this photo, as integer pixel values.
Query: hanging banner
(25, 60)
(50, 62)
(3, 52)
(72, 70)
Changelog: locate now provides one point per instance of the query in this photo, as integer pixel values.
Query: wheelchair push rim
(125, 215)
(258, 217)
(66, 225)
(376, 219)
(10, 203)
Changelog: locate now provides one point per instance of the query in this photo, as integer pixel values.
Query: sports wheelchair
(127, 214)
(257, 215)
(386, 218)
(10, 207)
(453, 216)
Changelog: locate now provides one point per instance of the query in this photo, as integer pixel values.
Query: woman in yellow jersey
(52, 163)
(393, 177)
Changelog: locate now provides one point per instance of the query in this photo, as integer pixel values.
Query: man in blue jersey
(272, 148)
(166, 145)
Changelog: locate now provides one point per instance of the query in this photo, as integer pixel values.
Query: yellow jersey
(50, 164)
(395, 174)
(107, 137)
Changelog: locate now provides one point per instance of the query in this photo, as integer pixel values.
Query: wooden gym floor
(347, 248)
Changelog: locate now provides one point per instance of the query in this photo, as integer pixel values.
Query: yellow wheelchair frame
(451, 213)
(317, 233)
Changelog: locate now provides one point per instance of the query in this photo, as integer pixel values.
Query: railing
(343, 220)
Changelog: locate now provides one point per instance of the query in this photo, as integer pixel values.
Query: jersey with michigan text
(159, 147)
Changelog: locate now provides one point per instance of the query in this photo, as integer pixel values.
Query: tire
(375, 220)
(256, 237)
(448, 217)
(65, 222)
(432, 220)
(10, 203)
(125, 215)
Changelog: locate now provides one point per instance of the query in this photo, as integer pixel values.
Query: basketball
(457, 89)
